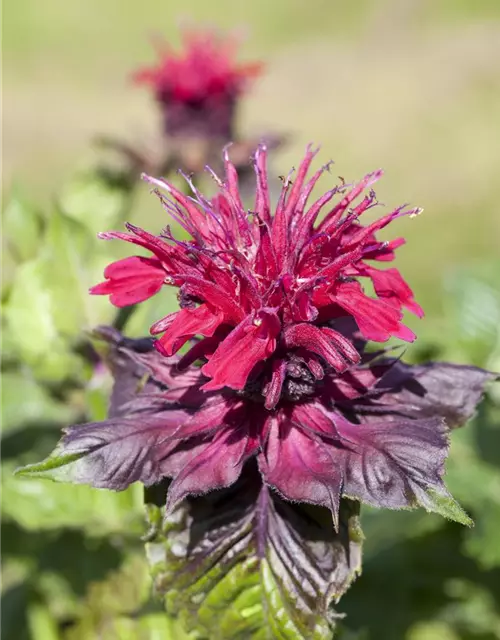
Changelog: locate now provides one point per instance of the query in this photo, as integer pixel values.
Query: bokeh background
(412, 86)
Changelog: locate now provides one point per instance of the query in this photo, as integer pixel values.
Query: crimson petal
(186, 323)
(376, 319)
(131, 280)
(250, 342)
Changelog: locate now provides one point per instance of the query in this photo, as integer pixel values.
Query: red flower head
(269, 293)
(199, 87)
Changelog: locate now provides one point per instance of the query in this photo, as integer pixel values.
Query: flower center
(299, 382)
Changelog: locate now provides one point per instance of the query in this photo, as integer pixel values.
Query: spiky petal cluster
(267, 290)
(201, 82)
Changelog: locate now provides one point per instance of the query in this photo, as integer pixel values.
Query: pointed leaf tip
(47, 468)
(445, 505)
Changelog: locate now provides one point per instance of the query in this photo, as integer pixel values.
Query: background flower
(197, 89)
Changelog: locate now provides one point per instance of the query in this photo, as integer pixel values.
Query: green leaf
(474, 608)
(39, 505)
(58, 466)
(420, 577)
(113, 607)
(257, 567)
(384, 528)
(123, 590)
(92, 201)
(60, 364)
(474, 304)
(73, 262)
(446, 506)
(10, 351)
(26, 402)
(96, 402)
(437, 630)
(41, 623)
(159, 625)
(14, 606)
(60, 595)
(22, 227)
(49, 304)
(155, 626)
(476, 482)
(29, 312)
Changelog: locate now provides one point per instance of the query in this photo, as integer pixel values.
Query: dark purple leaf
(302, 468)
(451, 391)
(142, 375)
(317, 455)
(115, 453)
(217, 465)
(129, 373)
(241, 563)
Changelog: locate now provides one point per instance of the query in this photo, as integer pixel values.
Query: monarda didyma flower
(198, 88)
(267, 290)
(276, 316)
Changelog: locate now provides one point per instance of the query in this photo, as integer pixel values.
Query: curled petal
(249, 343)
(201, 349)
(327, 343)
(273, 391)
(131, 280)
(141, 238)
(390, 286)
(376, 319)
(185, 324)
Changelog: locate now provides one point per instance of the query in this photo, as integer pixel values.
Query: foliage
(60, 546)
(258, 567)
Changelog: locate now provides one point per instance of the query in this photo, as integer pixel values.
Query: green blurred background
(412, 86)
